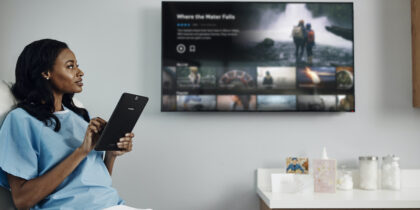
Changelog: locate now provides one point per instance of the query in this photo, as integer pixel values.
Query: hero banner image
(257, 56)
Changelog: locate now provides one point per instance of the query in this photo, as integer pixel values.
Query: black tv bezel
(252, 111)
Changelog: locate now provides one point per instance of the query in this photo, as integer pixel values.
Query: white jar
(391, 173)
(345, 181)
(368, 172)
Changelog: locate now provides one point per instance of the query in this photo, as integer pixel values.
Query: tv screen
(257, 56)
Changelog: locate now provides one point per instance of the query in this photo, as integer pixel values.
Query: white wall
(208, 160)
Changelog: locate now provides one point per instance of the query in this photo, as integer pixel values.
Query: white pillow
(77, 103)
(7, 100)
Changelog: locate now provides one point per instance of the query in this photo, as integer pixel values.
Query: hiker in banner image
(310, 42)
(299, 36)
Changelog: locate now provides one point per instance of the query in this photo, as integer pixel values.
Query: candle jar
(368, 172)
(391, 173)
(345, 181)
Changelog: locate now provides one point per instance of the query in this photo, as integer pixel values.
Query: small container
(391, 173)
(368, 172)
(345, 180)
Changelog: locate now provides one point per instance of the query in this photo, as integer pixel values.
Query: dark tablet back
(122, 121)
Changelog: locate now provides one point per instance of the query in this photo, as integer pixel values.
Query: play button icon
(180, 48)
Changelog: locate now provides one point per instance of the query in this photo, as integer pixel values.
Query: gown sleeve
(18, 147)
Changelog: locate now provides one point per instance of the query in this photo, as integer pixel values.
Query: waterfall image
(318, 34)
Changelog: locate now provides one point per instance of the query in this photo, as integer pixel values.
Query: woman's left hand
(125, 144)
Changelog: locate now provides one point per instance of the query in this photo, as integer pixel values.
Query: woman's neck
(58, 102)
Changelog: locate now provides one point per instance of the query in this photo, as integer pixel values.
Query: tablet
(122, 121)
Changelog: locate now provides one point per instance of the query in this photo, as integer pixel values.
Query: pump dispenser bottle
(325, 171)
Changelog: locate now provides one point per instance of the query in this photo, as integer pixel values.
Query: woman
(46, 144)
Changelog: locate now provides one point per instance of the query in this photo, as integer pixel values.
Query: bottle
(391, 173)
(368, 172)
(325, 170)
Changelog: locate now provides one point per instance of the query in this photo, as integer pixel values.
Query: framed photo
(297, 165)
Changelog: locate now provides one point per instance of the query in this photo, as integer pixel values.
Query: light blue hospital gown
(29, 149)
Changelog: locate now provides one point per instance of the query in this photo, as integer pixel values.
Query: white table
(407, 197)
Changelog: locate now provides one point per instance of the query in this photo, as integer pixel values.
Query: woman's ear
(46, 75)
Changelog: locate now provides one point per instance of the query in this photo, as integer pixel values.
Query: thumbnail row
(258, 103)
(262, 78)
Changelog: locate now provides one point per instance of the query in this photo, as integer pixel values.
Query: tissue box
(291, 183)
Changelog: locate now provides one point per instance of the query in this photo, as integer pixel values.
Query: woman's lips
(80, 83)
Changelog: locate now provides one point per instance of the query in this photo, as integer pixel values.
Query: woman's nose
(81, 72)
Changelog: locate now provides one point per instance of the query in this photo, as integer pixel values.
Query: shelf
(407, 197)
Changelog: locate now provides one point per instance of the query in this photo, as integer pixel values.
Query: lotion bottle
(325, 171)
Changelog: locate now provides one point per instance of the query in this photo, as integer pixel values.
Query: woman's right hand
(93, 131)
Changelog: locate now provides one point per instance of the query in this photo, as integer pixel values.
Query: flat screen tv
(257, 56)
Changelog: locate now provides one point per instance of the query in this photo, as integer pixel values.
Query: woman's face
(66, 77)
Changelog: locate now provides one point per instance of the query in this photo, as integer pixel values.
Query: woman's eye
(72, 66)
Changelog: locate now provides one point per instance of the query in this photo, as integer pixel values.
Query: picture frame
(297, 165)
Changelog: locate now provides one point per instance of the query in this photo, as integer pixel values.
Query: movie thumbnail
(238, 78)
(345, 78)
(316, 77)
(317, 102)
(194, 77)
(169, 79)
(196, 102)
(236, 102)
(276, 77)
(345, 103)
(168, 103)
(276, 102)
